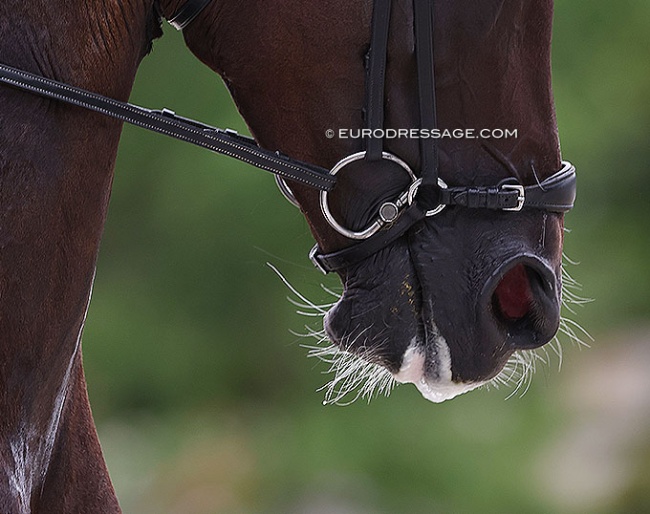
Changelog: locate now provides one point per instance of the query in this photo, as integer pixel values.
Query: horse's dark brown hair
(294, 68)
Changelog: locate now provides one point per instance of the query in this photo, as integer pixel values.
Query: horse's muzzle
(447, 306)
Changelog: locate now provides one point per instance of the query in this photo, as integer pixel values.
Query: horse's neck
(56, 167)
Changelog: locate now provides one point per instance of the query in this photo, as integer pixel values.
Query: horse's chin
(432, 376)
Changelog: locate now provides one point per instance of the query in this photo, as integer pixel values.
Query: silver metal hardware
(376, 225)
(315, 261)
(521, 197)
(388, 212)
(414, 189)
(286, 192)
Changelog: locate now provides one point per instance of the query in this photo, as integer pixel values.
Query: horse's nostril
(525, 304)
(513, 296)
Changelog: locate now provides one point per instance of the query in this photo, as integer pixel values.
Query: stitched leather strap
(225, 142)
(557, 193)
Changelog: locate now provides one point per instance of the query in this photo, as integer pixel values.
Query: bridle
(426, 196)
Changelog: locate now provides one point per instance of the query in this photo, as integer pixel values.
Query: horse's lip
(436, 385)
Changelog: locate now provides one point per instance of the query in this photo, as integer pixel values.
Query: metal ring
(378, 223)
(286, 192)
(414, 189)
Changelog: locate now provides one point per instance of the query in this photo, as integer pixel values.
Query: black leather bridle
(427, 194)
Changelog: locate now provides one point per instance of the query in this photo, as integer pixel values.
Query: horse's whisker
(354, 376)
(357, 375)
(291, 288)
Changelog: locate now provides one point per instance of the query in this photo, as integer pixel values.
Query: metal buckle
(388, 212)
(521, 197)
(315, 261)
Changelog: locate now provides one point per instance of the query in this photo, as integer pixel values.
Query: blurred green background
(206, 403)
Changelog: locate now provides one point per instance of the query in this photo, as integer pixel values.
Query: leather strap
(376, 78)
(424, 54)
(556, 194)
(186, 13)
(226, 142)
(342, 259)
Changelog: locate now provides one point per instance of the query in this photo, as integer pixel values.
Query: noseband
(427, 194)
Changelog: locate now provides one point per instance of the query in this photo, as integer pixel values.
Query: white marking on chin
(435, 384)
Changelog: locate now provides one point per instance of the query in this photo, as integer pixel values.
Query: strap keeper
(492, 198)
(473, 196)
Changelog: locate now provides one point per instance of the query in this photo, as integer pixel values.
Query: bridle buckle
(521, 196)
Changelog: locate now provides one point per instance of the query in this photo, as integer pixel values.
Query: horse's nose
(522, 303)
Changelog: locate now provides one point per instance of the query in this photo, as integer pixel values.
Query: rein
(426, 196)
(226, 142)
